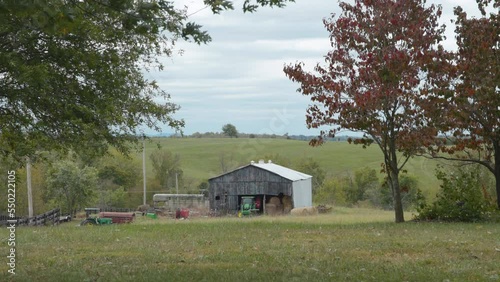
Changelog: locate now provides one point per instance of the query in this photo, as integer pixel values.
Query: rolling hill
(202, 158)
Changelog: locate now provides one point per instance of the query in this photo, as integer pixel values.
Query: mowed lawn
(346, 245)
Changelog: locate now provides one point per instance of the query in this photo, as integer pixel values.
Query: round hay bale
(275, 201)
(304, 211)
(286, 200)
(312, 210)
(297, 212)
(287, 210)
(287, 204)
(271, 209)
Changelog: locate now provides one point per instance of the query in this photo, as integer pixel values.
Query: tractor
(248, 205)
(96, 221)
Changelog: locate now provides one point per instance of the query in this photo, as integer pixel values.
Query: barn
(267, 182)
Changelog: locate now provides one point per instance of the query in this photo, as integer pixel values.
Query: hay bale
(279, 209)
(271, 209)
(275, 201)
(287, 200)
(287, 204)
(287, 209)
(304, 211)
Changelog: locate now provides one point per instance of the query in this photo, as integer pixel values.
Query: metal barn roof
(282, 171)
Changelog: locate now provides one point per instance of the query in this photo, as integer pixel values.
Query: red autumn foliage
(468, 101)
(373, 78)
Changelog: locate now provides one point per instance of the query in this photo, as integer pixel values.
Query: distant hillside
(263, 136)
(202, 158)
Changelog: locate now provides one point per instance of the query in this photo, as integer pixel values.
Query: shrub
(460, 197)
(312, 167)
(364, 180)
(332, 191)
(411, 196)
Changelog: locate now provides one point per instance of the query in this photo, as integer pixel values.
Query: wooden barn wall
(246, 181)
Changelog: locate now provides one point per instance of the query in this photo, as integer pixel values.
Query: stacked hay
(287, 204)
(275, 201)
(305, 211)
(274, 206)
(271, 209)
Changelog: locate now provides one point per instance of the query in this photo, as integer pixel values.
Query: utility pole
(176, 184)
(144, 167)
(28, 184)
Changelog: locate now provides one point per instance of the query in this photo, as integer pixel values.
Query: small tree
(71, 187)
(313, 168)
(119, 170)
(166, 165)
(333, 191)
(465, 109)
(364, 180)
(230, 130)
(411, 196)
(373, 79)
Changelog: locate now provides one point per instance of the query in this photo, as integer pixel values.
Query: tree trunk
(394, 180)
(396, 192)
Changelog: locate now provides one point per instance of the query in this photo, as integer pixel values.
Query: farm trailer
(107, 217)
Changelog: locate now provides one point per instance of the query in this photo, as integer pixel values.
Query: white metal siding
(302, 193)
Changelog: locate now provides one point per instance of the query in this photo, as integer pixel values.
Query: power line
(197, 11)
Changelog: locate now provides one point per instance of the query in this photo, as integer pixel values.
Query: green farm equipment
(247, 206)
(96, 221)
(95, 217)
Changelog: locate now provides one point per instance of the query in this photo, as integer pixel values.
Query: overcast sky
(238, 78)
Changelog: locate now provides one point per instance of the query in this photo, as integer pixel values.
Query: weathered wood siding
(248, 180)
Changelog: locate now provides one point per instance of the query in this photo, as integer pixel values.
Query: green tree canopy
(71, 187)
(165, 166)
(71, 72)
(230, 130)
(313, 168)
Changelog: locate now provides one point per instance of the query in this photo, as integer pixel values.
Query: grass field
(200, 157)
(346, 245)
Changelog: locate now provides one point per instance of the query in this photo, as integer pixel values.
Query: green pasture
(201, 157)
(346, 245)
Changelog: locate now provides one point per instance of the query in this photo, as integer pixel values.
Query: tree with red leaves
(373, 78)
(468, 104)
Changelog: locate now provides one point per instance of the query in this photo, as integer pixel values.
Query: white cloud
(239, 77)
(320, 44)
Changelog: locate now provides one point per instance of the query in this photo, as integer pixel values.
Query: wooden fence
(51, 217)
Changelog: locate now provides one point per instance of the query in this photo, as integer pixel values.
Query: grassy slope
(200, 158)
(347, 245)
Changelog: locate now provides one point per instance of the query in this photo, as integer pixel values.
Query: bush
(332, 191)
(313, 168)
(364, 180)
(411, 196)
(460, 198)
(112, 198)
